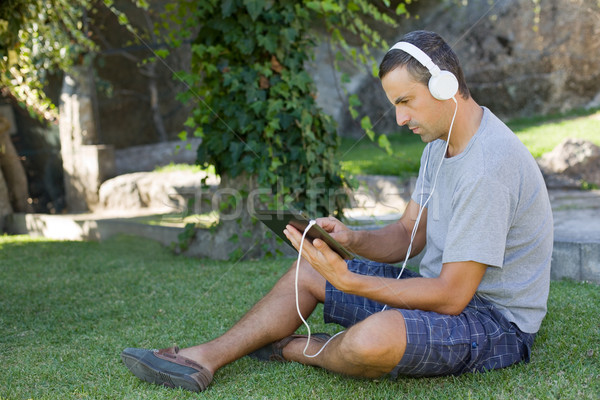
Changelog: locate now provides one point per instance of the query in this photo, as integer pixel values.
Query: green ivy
(39, 37)
(256, 109)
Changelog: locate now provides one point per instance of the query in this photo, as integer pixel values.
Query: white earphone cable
(310, 224)
(423, 205)
(408, 251)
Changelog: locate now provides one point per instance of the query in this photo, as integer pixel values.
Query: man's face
(415, 106)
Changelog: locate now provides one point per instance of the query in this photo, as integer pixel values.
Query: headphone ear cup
(443, 86)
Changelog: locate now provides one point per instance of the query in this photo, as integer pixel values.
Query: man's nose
(401, 117)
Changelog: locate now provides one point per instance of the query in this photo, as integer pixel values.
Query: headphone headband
(443, 85)
(419, 55)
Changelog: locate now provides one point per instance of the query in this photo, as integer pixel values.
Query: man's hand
(324, 260)
(337, 230)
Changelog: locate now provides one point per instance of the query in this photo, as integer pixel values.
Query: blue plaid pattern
(477, 340)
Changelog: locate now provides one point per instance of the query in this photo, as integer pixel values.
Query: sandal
(274, 351)
(166, 367)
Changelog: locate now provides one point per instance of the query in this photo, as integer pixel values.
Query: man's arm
(389, 244)
(449, 293)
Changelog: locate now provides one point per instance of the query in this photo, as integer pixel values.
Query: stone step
(576, 214)
(576, 253)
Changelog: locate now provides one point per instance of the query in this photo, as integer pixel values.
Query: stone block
(148, 157)
(566, 261)
(85, 169)
(590, 262)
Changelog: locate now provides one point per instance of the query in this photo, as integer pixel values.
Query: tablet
(278, 220)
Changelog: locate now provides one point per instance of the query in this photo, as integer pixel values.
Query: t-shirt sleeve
(481, 218)
(422, 186)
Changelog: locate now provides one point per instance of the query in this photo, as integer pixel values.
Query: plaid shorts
(479, 339)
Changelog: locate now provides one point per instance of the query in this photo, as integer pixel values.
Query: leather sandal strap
(278, 346)
(203, 376)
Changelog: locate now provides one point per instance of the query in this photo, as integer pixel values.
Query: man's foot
(274, 351)
(165, 367)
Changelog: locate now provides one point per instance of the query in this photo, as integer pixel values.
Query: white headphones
(443, 85)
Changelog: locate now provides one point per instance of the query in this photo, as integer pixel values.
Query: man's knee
(308, 279)
(378, 341)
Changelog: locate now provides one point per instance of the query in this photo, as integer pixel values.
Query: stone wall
(516, 62)
(136, 97)
(149, 156)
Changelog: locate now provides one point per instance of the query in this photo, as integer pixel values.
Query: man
(483, 212)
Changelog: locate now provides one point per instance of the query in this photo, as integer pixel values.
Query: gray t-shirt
(490, 205)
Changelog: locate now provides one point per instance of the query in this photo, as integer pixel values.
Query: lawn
(364, 157)
(540, 135)
(69, 308)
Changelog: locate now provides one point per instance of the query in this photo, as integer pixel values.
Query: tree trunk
(85, 164)
(13, 171)
(5, 207)
(155, 103)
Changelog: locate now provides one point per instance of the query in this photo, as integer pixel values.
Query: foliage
(35, 37)
(39, 37)
(257, 112)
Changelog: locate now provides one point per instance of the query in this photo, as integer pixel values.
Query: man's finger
(327, 252)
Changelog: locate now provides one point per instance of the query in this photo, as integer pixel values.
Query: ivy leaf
(123, 19)
(384, 143)
(190, 123)
(236, 149)
(313, 5)
(246, 45)
(352, 6)
(374, 70)
(254, 8)
(162, 53)
(274, 106)
(354, 101)
(227, 8)
(290, 34)
(365, 123)
(269, 42)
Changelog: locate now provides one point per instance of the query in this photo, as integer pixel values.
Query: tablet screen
(278, 220)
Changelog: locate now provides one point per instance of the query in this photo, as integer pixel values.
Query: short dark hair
(436, 48)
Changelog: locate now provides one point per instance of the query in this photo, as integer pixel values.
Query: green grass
(540, 134)
(364, 157)
(172, 167)
(69, 308)
(204, 221)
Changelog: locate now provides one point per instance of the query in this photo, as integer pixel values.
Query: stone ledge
(86, 227)
(579, 261)
(572, 260)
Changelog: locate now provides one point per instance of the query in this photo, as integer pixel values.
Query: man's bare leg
(369, 349)
(272, 318)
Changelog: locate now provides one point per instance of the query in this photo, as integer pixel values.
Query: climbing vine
(256, 108)
(41, 37)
